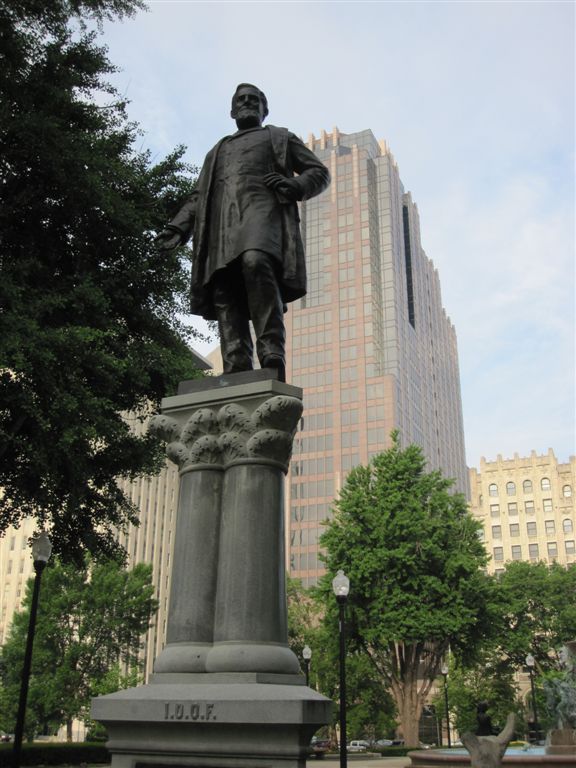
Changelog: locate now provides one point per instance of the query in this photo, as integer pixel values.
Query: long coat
(290, 156)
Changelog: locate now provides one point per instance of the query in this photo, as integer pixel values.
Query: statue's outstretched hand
(168, 239)
(288, 188)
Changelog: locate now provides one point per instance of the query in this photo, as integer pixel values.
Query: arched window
(567, 525)
(527, 486)
(493, 489)
(511, 488)
(567, 491)
(545, 484)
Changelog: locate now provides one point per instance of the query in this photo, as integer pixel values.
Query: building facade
(16, 567)
(370, 343)
(526, 506)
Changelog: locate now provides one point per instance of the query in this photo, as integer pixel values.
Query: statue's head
(249, 106)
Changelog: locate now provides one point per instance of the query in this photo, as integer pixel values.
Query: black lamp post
(307, 655)
(341, 587)
(444, 671)
(530, 662)
(41, 551)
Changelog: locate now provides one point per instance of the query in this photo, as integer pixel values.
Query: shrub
(54, 753)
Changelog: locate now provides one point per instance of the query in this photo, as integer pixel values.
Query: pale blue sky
(476, 101)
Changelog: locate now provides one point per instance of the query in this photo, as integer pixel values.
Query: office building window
(547, 505)
(567, 491)
(498, 553)
(516, 552)
(550, 527)
(567, 525)
(514, 529)
(512, 508)
(496, 531)
(529, 507)
(495, 510)
(527, 486)
(569, 546)
(552, 549)
(531, 529)
(545, 484)
(533, 551)
(493, 489)
(511, 489)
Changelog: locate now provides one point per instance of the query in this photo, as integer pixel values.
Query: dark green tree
(90, 622)
(90, 311)
(538, 613)
(414, 559)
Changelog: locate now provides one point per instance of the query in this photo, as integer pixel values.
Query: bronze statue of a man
(248, 256)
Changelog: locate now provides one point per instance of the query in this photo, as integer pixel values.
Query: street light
(307, 655)
(341, 587)
(444, 671)
(41, 551)
(530, 662)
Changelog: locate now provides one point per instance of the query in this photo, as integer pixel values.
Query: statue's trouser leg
(229, 300)
(250, 633)
(190, 629)
(259, 271)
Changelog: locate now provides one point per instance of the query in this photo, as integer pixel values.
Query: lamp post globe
(307, 655)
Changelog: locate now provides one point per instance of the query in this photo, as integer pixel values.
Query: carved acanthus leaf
(234, 418)
(178, 453)
(232, 446)
(205, 450)
(279, 412)
(202, 422)
(271, 444)
(165, 427)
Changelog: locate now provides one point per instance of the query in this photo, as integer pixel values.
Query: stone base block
(213, 721)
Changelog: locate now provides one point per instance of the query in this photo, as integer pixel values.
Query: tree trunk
(69, 730)
(409, 705)
(409, 716)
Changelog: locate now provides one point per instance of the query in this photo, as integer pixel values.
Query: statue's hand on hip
(288, 188)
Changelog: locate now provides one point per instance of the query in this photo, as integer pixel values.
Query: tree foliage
(90, 310)
(414, 559)
(538, 613)
(90, 623)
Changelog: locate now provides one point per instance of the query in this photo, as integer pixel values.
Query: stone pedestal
(561, 741)
(226, 689)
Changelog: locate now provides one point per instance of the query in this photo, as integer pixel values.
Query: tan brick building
(526, 505)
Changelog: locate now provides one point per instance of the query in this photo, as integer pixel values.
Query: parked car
(6, 737)
(319, 747)
(358, 745)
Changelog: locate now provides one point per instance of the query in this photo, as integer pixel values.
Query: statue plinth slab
(215, 722)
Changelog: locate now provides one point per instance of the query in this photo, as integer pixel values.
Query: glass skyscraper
(370, 344)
